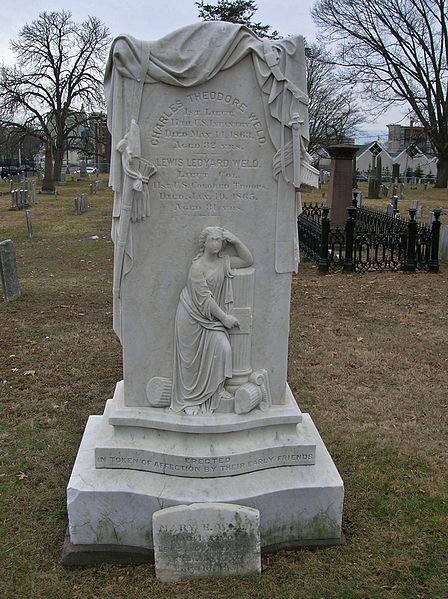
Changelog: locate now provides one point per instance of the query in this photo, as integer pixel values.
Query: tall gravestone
(340, 187)
(210, 128)
(375, 175)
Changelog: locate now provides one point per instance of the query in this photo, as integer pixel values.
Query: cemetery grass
(368, 360)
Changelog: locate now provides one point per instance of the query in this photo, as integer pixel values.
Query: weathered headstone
(14, 199)
(201, 540)
(379, 171)
(19, 199)
(375, 177)
(210, 126)
(33, 192)
(8, 271)
(25, 198)
(81, 204)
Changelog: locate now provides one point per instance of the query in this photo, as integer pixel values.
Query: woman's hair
(203, 238)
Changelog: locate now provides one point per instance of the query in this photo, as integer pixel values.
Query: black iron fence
(370, 240)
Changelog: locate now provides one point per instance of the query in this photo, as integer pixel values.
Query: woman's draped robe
(202, 353)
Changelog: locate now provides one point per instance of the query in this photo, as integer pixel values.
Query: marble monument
(209, 128)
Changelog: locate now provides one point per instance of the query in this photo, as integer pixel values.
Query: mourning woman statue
(202, 353)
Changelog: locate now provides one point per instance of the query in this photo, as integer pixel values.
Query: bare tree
(17, 147)
(333, 112)
(58, 75)
(398, 51)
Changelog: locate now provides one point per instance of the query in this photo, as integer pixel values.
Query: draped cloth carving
(189, 57)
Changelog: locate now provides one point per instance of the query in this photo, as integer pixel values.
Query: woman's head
(209, 238)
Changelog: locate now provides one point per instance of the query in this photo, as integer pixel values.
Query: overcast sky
(152, 19)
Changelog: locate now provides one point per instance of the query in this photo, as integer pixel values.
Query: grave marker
(208, 539)
(8, 271)
(210, 126)
(375, 176)
(81, 204)
(340, 186)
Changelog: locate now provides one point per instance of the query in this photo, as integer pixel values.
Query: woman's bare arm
(244, 256)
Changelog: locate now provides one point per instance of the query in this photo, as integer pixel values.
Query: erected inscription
(207, 154)
(151, 461)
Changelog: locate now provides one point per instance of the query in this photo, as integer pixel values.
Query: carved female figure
(202, 353)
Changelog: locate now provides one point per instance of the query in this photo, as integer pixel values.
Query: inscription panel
(204, 466)
(225, 180)
(206, 146)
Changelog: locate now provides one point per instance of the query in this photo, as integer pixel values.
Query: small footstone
(206, 540)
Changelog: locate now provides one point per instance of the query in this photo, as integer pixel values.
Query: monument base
(205, 446)
(110, 510)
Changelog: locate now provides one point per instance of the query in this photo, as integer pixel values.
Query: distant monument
(210, 129)
(340, 187)
(375, 176)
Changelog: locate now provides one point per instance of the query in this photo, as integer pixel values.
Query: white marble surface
(206, 540)
(215, 445)
(222, 146)
(120, 415)
(109, 506)
(209, 128)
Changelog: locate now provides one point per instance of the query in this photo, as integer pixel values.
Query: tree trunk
(58, 164)
(48, 180)
(442, 171)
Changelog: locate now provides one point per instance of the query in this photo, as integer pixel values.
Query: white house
(427, 164)
(365, 154)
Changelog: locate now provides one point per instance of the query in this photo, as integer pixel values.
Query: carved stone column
(241, 337)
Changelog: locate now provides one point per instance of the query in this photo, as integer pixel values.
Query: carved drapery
(187, 58)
